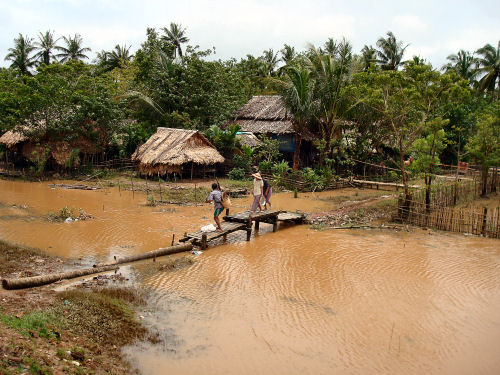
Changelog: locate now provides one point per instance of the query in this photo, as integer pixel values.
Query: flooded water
(293, 302)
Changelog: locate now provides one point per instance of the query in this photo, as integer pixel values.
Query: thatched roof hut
(169, 149)
(264, 114)
(248, 139)
(35, 148)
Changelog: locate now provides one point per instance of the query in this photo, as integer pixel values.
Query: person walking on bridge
(216, 197)
(257, 191)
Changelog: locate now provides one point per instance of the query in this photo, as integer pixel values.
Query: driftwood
(150, 254)
(79, 187)
(29, 282)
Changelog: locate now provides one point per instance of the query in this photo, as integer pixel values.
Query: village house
(181, 151)
(267, 115)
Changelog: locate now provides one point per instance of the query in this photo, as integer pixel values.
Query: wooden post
(249, 228)
(173, 239)
(192, 168)
(257, 225)
(275, 223)
(224, 237)
(132, 182)
(204, 244)
(159, 184)
(195, 200)
(483, 227)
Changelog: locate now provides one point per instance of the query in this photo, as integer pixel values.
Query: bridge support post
(257, 225)
(275, 223)
(204, 244)
(249, 228)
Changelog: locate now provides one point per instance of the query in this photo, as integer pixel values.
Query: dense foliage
(373, 106)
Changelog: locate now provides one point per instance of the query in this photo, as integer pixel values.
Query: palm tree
(332, 73)
(390, 52)
(298, 96)
(73, 49)
(463, 63)
(119, 57)
(175, 35)
(270, 60)
(19, 55)
(45, 45)
(369, 55)
(331, 47)
(287, 54)
(489, 65)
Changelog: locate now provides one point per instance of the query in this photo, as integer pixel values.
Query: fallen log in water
(79, 187)
(150, 254)
(29, 282)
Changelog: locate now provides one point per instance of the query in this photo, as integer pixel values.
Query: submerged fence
(442, 213)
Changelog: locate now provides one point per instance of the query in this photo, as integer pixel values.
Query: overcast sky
(434, 29)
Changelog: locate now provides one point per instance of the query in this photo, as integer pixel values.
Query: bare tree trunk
(296, 154)
(407, 201)
(484, 178)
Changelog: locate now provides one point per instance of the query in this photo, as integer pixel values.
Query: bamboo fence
(442, 214)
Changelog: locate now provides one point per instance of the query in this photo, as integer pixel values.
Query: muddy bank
(74, 331)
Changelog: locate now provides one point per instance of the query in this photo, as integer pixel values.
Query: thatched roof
(168, 149)
(11, 138)
(264, 114)
(248, 139)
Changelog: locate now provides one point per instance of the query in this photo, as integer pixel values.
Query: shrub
(312, 179)
(280, 173)
(237, 174)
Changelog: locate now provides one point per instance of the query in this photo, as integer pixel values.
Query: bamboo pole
(29, 282)
(151, 254)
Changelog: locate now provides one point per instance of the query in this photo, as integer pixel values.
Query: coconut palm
(297, 94)
(119, 57)
(331, 47)
(489, 65)
(332, 73)
(45, 45)
(270, 60)
(463, 63)
(287, 54)
(390, 52)
(369, 55)
(19, 55)
(73, 49)
(175, 35)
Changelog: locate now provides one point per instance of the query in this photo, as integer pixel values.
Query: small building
(21, 147)
(178, 151)
(248, 139)
(267, 115)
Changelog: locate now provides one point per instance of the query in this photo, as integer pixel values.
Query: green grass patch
(38, 322)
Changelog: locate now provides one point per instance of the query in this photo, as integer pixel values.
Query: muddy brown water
(293, 302)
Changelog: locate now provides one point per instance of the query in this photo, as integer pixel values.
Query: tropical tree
(489, 65)
(405, 104)
(390, 52)
(297, 94)
(119, 57)
(45, 45)
(73, 49)
(484, 145)
(288, 54)
(270, 60)
(369, 56)
(426, 151)
(176, 36)
(19, 55)
(332, 73)
(463, 63)
(330, 47)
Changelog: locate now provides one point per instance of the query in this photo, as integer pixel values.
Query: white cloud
(409, 22)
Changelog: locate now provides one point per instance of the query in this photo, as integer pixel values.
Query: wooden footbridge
(242, 221)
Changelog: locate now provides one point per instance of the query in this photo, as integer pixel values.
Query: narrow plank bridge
(242, 221)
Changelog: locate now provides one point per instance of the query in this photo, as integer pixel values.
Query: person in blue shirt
(216, 197)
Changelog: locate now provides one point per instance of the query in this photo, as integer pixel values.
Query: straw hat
(257, 176)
